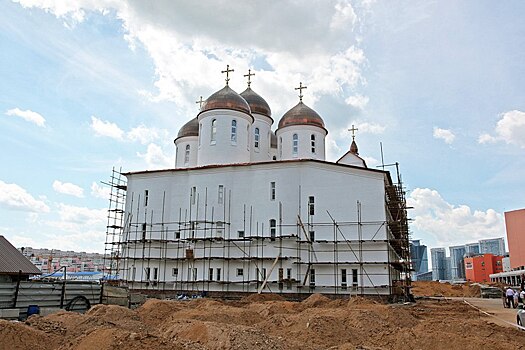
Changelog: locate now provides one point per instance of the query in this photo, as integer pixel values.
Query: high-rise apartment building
(418, 252)
(457, 267)
(439, 268)
(515, 226)
(494, 246)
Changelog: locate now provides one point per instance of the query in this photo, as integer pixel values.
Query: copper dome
(256, 102)
(191, 128)
(226, 98)
(301, 114)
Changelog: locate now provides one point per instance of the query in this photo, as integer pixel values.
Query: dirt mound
(18, 336)
(214, 335)
(315, 300)
(361, 301)
(154, 312)
(111, 339)
(255, 298)
(435, 289)
(316, 323)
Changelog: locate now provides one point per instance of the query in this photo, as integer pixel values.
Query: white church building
(250, 207)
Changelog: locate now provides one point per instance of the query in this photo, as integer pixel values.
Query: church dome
(256, 102)
(301, 114)
(191, 128)
(226, 98)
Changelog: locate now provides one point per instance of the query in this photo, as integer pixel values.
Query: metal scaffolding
(206, 240)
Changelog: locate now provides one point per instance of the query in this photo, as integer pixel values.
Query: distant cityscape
(452, 267)
(51, 260)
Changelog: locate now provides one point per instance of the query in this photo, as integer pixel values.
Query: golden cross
(227, 71)
(300, 88)
(353, 130)
(250, 74)
(200, 102)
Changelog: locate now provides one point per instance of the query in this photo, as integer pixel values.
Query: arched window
(234, 131)
(213, 138)
(312, 142)
(248, 137)
(295, 144)
(200, 133)
(187, 155)
(256, 137)
(280, 147)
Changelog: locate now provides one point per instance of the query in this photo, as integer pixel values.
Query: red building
(515, 225)
(478, 268)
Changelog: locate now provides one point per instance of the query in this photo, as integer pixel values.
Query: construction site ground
(268, 322)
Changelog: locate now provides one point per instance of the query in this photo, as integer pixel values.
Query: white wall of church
(285, 142)
(246, 198)
(217, 145)
(260, 151)
(186, 157)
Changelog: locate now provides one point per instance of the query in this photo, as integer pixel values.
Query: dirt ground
(438, 289)
(258, 323)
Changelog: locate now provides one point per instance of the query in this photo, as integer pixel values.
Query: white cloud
(15, 197)
(105, 128)
(451, 224)
(365, 128)
(81, 228)
(486, 138)
(81, 215)
(143, 134)
(202, 37)
(371, 162)
(357, 101)
(509, 129)
(333, 151)
(27, 115)
(344, 16)
(155, 158)
(68, 188)
(99, 191)
(444, 134)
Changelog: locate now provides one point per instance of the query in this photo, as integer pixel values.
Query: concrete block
(44, 311)
(10, 314)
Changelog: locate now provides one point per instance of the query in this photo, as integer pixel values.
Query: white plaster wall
(247, 206)
(223, 150)
(351, 159)
(180, 145)
(304, 133)
(261, 153)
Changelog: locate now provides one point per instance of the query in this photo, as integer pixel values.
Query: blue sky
(88, 85)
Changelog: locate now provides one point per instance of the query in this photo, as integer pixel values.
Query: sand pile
(435, 289)
(315, 323)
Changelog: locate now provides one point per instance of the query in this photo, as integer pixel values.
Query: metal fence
(47, 294)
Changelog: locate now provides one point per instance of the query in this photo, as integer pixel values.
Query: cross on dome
(300, 88)
(200, 102)
(250, 74)
(227, 71)
(353, 130)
